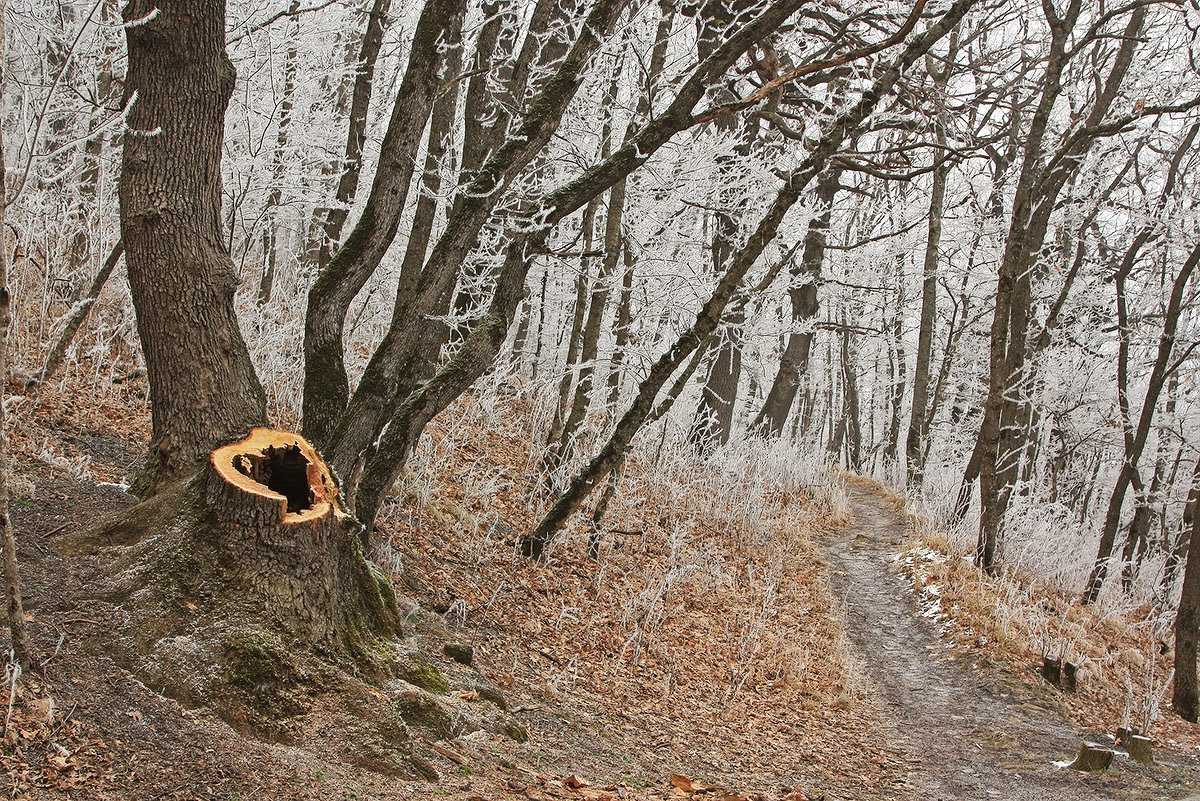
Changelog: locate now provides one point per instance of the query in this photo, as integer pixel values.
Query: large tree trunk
(203, 388)
(244, 581)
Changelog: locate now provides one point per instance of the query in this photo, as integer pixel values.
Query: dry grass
(1015, 619)
(705, 627)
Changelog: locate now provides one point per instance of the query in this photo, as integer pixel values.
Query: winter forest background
(884, 275)
(977, 283)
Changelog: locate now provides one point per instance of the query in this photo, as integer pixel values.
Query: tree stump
(245, 586)
(1061, 673)
(1141, 749)
(1092, 758)
(275, 503)
(1052, 671)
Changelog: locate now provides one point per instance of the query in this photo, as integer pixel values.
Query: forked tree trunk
(203, 388)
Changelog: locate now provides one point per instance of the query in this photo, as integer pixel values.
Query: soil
(968, 731)
(922, 722)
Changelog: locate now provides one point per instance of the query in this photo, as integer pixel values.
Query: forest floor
(970, 732)
(704, 661)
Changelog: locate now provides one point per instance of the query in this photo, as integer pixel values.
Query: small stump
(1092, 758)
(1141, 749)
(1061, 673)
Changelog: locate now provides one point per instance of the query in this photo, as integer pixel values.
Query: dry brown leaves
(717, 648)
(1011, 621)
(45, 747)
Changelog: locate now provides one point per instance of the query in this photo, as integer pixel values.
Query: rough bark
(806, 277)
(1185, 696)
(203, 388)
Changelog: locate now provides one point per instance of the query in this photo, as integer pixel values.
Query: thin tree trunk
(1185, 697)
(919, 419)
(326, 385)
(14, 611)
(75, 320)
(624, 321)
(574, 335)
(899, 379)
(1043, 175)
(850, 404)
(590, 344)
(1136, 443)
(402, 414)
(271, 232)
(330, 235)
(793, 365)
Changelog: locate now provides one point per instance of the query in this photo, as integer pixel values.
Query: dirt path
(966, 737)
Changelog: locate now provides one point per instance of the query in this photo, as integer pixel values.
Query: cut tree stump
(1060, 673)
(276, 505)
(1092, 758)
(1141, 749)
(245, 586)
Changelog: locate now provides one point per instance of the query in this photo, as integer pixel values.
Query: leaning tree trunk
(203, 388)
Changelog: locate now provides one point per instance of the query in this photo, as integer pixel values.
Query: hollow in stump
(245, 585)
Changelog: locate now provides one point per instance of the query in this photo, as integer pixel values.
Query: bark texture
(243, 579)
(203, 388)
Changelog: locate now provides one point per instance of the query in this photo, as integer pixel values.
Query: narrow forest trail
(966, 736)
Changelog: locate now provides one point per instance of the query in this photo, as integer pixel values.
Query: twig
(12, 694)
